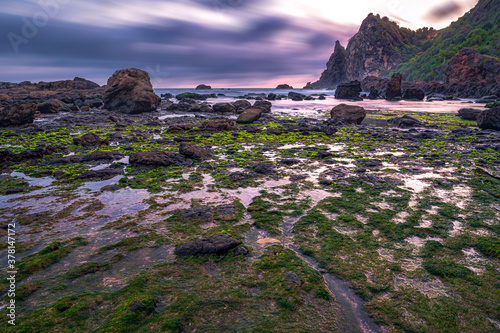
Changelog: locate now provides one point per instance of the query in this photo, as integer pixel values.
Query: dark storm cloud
(172, 51)
(444, 11)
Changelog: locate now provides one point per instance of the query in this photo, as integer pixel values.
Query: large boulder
(53, 106)
(394, 87)
(489, 119)
(414, 94)
(159, 158)
(218, 244)
(265, 106)
(203, 87)
(18, 114)
(224, 108)
(469, 114)
(349, 90)
(191, 151)
(348, 114)
(249, 116)
(130, 91)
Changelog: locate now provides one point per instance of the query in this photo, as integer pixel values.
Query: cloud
(444, 11)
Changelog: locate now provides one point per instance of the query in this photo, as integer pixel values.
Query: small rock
(219, 244)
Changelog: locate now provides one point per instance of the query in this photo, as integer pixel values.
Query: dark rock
(414, 94)
(469, 114)
(52, 106)
(226, 210)
(203, 87)
(136, 306)
(240, 251)
(348, 114)
(272, 97)
(489, 119)
(284, 87)
(374, 94)
(238, 176)
(130, 91)
(249, 116)
(349, 90)
(289, 161)
(198, 213)
(90, 139)
(326, 182)
(407, 122)
(158, 158)
(265, 106)
(297, 177)
(294, 96)
(224, 108)
(95, 156)
(219, 244)
(369, 163)
(16, 190)
(241, 105)
(191, 151)
(394, 87)
(18, 114)
(263, 168)
(94, 103)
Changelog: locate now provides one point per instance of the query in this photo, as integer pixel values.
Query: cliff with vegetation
(478, 29)
(382, 48)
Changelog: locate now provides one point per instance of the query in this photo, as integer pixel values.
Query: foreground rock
(191, 151)
(469, 114)
(489, 119)
(348, 114)
(219, 244)
(394, 88)
(130, 91)
(18, 114)
(349, 90)
(249, 116)
(53, 106)
(159, 158)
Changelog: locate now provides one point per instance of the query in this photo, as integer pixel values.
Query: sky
(183, 43)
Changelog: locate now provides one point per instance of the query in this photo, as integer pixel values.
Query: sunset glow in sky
(224, 43)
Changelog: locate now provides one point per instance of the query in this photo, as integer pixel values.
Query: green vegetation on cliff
(478, 29)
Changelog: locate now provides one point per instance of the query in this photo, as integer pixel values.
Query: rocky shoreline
(147, 218)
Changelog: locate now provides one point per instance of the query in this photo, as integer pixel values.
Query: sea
(313, 108)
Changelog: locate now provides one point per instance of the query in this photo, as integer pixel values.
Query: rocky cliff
(379, 46)
(335, 72)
